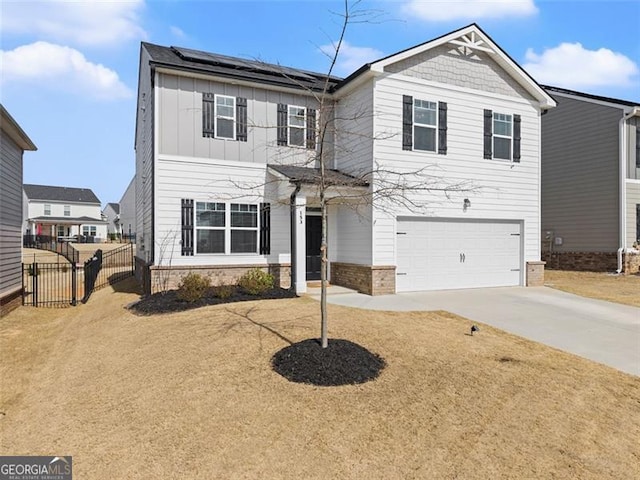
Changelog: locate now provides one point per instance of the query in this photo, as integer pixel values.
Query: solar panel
(216, 59)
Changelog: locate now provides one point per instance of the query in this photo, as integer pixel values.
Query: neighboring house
(63, 213)
(111, 214)
(591, 183)
(225, 179)
(128, 211)
(13, 143)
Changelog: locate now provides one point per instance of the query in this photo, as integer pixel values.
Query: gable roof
(468, 38)
(114, 206)
(590, 96)
(186, 59)
(60, 194)
(13, 130)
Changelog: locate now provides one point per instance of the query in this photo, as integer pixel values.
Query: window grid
(47, 209)
(210, 225)
(502, 136)
(297, 123)
(67, 210)
(237, 228)
(425, 125)
(225, 117)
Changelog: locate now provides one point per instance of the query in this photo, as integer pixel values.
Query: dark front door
(314, 239)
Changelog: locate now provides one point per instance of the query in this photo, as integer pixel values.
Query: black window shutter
(442, 128)
(208, 115)
(516, 138)
(187, 227)
(241, 119)
(311, 129)
(488, 134)
(282, 124)
(265, 228)
(407, 122)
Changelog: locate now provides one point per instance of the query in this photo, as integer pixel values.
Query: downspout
(294, 239)
(635, 111)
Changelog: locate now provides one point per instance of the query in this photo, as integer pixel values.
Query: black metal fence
(55, 244)
(62, 284)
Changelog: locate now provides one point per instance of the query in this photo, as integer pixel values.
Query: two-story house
(13, 143)
(63, 213)
(128, 211)
(111, 214)
(227, 168)
(591, 183)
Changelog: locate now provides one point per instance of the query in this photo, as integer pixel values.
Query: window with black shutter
(488, 134)
(224, 117)
(265, 228)
(296, 126)
(424, 125)
(407, 122)
(516, 138)
(502, 136)
(187, 227)
(311, 128)
(241, 119)
(282, 124)
(442, 128)
(208, 115)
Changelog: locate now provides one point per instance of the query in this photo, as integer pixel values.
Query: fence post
(74, 284)
(35, 284)
(24, 291)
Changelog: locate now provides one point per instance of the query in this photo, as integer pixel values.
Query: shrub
(193, 287)
(256, 281)
(224, 292)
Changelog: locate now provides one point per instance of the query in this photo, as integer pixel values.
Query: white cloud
(62, 68)
(94, 23)
(177, 32)
(350, 57)
(571, 65)
(470, 10)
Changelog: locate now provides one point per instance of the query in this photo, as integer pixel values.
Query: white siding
(36, 209)
(213, 181)
(128, 209)
(10, 215)
(353, 237)
(633, 199)
(503, 190)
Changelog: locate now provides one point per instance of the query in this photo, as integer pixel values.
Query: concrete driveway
(605, 332)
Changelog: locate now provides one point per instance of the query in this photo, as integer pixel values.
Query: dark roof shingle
(312, 176)
(60, 194)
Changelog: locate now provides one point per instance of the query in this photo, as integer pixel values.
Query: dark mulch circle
(169, 302)
(341, 363)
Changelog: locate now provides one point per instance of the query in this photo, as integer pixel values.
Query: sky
(69, 68)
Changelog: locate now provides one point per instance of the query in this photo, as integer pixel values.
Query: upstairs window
(501, 136)
(296, 126)
(297, 121)
(47, 209)
(424, 125)
(224, 117)
(67, 210)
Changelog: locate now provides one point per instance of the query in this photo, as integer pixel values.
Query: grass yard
(192, 395)
(603, 286)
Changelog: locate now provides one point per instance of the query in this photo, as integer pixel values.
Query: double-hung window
(297, 121)
(244, 228)
(89, 230)
(425, 125)
(67, 210)
(210, 227)
(225, 117)
(502, 135)
(47, 209)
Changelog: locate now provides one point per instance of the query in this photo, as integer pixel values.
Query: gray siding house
(111, 215)
(591, 183)
(128, 211)
(13, 143)
(227, 168)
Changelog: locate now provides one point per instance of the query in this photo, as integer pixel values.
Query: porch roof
(65, 220)
(311, 176)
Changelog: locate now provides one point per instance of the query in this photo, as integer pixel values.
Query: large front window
(297, 125)
(226, 228)
(425, 115)
(225, 116)
(502, 135)
(89, 230)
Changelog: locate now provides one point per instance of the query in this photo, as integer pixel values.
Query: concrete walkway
(605, 332)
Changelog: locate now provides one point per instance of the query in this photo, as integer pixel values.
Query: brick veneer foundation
(369, 279)
(10, 302)
(591, 261)
(535, 274)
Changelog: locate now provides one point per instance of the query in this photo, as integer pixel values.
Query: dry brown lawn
(192, 395)
(603, 286)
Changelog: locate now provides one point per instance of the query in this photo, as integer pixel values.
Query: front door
(314, 240)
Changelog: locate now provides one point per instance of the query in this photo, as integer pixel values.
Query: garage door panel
(446, 254)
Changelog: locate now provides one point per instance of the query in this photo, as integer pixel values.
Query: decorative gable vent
(467, 44)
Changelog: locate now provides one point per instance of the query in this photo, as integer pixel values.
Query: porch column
(301, 245)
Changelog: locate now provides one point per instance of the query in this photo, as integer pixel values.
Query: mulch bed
(341, 363)
(169, 302)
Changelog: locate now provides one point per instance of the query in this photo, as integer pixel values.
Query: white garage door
(441, 254)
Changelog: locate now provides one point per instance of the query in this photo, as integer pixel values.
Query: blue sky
(69, 69)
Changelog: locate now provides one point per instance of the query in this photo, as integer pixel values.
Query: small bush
(224, 292)
(193, 287)
(256, 282)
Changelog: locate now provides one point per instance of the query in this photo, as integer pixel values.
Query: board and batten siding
(503, 190)
(144, 160)
(180, 122)
(633, 199)
(580, 175)
(207, 180)
(10, 215)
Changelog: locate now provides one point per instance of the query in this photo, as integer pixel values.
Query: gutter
(635, 111)
(294, 239)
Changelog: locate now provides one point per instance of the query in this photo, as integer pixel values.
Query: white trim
(211, 161)
(303, 128)
(435, 127)
(227, 228)
(216, 116)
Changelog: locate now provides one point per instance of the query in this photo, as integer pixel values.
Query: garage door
(443, 254)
